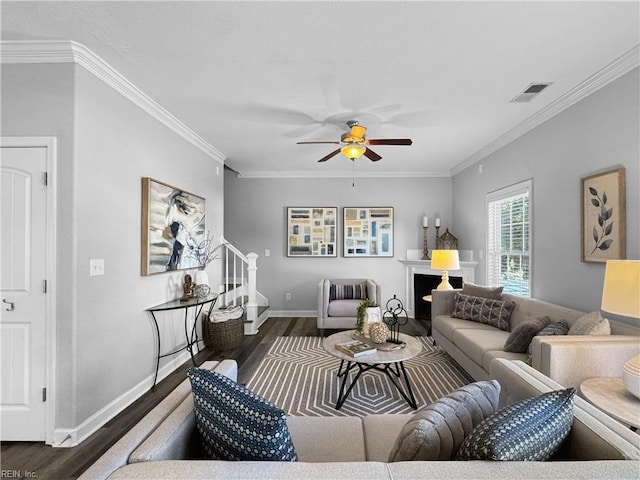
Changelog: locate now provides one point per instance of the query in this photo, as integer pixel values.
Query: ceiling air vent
(530, 92)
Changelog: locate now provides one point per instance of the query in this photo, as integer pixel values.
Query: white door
(23, 234)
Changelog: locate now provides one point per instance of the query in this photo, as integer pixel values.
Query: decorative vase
(371, 315)
(378, 332)
(631, 376)
(202, 283)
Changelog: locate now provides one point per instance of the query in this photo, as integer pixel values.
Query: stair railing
(241, 280)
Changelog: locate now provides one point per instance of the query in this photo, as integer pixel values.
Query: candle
(425, 221)
(437, 222)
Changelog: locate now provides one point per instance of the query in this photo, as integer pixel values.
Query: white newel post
(252, 304)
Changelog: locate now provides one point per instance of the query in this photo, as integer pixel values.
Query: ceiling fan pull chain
(353, 175)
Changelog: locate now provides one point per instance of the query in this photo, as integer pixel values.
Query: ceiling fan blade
(371, 155)
(313, 143)
(332, 154)
(390, 141)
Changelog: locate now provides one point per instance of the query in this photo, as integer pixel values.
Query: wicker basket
(223, 336)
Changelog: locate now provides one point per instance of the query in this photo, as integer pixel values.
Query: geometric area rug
(299, 376)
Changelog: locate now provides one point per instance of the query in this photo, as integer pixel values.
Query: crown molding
(606, 75)
(338, 174)
(73, 52)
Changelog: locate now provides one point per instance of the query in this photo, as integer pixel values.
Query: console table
(198, 304)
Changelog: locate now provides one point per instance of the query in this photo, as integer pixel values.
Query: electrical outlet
(287, 296)
(96, 267)
(267, 252)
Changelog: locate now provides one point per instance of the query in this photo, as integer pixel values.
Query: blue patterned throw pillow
(236, 424)
(531, 429)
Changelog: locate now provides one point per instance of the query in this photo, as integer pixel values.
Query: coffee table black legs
(395, 371)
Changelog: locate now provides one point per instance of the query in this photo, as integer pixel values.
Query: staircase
(239, 276)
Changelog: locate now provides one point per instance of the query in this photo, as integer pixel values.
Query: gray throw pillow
(494, 293)
(553, 329)
(483, 310)
(529, 430)
(590, 324)
(519, 339)
(436, 432)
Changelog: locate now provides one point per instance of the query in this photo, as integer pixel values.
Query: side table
(611, 396)
(192, 339)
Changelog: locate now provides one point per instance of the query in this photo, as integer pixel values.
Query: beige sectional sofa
(165, 444)
(567, 359)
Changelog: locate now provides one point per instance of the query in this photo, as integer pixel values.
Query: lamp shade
(445, 260)
(621, 290)
(353, 151)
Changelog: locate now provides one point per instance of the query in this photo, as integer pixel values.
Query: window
(509, 239)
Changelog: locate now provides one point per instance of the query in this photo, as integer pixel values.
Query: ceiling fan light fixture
(358, 131)
(353, 151)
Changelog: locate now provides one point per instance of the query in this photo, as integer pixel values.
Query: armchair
(337, 307)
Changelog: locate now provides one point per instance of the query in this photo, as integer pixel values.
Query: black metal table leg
(394, 369)
(155, 322)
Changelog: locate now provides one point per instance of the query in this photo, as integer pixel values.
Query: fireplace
(415, 269)
(422, 285)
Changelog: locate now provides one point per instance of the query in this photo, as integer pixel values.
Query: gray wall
(105, 339)
(255, 220)
(598, 133)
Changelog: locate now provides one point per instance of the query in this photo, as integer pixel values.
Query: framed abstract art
(367, 231)
(173, 224)
(312, 231)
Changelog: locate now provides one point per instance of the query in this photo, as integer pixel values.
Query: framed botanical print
(367, 231)
(173, 224)
(311, 231)
(603, 216)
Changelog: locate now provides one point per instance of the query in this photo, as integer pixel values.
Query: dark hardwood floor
(37, 460)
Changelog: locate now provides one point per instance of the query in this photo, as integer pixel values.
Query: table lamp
(621, 296)
(445, 260)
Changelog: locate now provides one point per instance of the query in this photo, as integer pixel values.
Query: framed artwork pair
(366, 232)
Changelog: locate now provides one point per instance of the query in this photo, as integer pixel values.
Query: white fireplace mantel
(423, 267)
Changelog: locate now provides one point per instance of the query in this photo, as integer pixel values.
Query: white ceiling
(253, 78)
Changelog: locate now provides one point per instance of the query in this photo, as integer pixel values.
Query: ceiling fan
(354, 143)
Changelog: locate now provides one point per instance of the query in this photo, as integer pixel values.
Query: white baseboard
(293, 313)
(71, 437)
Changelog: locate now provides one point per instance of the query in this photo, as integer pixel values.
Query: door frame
(51, 144)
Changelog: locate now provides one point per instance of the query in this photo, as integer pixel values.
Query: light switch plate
(96, 267)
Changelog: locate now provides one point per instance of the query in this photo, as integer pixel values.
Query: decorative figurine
(395, 316)
(187, 289)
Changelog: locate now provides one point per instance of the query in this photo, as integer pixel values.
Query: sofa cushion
(347, 291)
(529, 430)
(520, 337)
(475, 343)
(447, 325)
(483, 310)
(343, 308)
(236, 424)
(590, 324)
(437, 431)
(494, 293)
(381, 432)
(327, 439)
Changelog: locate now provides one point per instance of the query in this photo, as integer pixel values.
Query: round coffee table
(390, 363)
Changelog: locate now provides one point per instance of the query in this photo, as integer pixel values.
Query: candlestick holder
(438, 242)
(425, 252)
